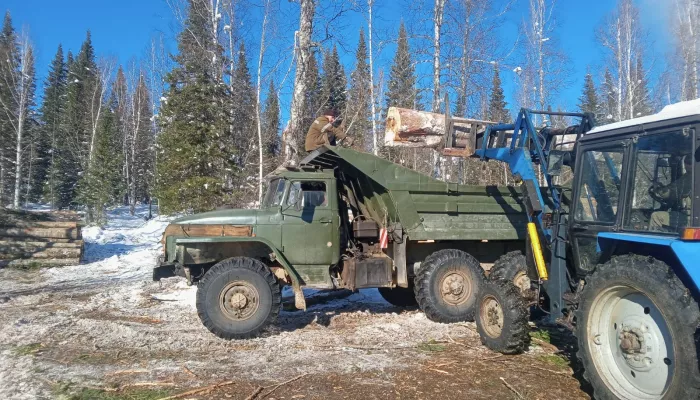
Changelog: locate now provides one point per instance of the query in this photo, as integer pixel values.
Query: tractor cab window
(663, 183)
(599, 186)
(311, 194)
(275, 192)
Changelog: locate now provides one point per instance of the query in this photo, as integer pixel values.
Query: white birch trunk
(375, 147)
(258, 110)
(303, 55)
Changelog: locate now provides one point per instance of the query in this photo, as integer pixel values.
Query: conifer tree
(271, 128)
(142, 149)
(101, 184)
(402, 90)
(52, 110)
(359, 109)
(642, 98)
(243, 105)
(334, 82)
(588, 102)
(195, 162)
(8, 64)
(609, 96)
(497, 103)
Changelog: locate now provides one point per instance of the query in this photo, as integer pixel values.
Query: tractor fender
(680, 254)
(299, 301)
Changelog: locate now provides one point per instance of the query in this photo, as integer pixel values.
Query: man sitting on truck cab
(676, 196)
(326, 129)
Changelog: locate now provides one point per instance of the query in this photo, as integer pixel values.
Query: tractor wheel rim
(456, 288)
(491, 316)
(630, 344)
(239, 300)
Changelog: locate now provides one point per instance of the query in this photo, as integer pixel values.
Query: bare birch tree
(302, 52)
(685, 25)
(258, 108)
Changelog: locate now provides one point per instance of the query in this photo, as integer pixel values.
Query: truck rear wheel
(637, 329)
(502, 318)
(398, 296)
(511, 267)
(238, 298)
(448, 284)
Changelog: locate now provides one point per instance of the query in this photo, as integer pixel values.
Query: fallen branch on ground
(199, 390)
(508, 385)
(251, 397)
(255, 393)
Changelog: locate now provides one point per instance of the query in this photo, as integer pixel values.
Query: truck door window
(662, 183)
(312, 194)
(275, 192)
(599, 186)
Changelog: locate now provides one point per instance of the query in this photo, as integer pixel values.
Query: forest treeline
(198, 127)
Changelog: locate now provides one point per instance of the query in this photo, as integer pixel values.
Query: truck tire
(502, 318)
(398, 296)
(637, 330)
(511, 267)
(447, 286)
(238, 298)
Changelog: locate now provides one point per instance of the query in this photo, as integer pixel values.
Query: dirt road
(103, 330)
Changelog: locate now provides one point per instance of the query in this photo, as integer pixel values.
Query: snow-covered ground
(88, 324)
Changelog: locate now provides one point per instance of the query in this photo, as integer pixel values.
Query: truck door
(310, 233)
(597, 200)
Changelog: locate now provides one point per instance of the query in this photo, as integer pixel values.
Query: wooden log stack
(422, 129)
(40, 238)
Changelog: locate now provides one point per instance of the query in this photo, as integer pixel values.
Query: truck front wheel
(448, 284)
(637, 327)
(238, 298)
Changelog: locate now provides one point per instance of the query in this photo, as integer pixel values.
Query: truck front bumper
(164, 269)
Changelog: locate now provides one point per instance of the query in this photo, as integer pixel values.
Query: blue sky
(124, 28)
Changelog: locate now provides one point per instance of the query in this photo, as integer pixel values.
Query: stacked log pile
(40, 238)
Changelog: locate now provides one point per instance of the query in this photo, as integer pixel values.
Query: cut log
(54, 233)
(43, 224)
(38, 244)
(422, 129)
(59, 252)
(22, 239)
(56, 262)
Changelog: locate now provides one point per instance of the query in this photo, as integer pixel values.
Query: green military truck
(344, 219)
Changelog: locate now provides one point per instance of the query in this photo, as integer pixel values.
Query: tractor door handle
(325, 221)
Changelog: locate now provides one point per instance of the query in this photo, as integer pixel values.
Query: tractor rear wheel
(637, 328)
(448, 284)
(238, 298)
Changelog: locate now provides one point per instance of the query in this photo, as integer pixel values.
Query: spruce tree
(609, 97)
(642, 98)
(497, 102)
(143, 146)
(52, 110)
(195, 159)
(271, 128)
(402, 90)
(334, 82)
(8, 64)
(359, 109)
(588, 102)
(101, 184)
(243, 104)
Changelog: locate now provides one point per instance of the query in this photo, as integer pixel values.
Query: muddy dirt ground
(103, 330)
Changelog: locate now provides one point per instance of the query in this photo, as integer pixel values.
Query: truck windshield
(275, 192)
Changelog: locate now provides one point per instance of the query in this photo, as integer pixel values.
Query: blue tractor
(614, 247)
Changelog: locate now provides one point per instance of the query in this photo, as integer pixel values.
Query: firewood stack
(40, 238)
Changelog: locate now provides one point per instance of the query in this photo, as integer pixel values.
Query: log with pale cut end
(53, 233)
(412, 128)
